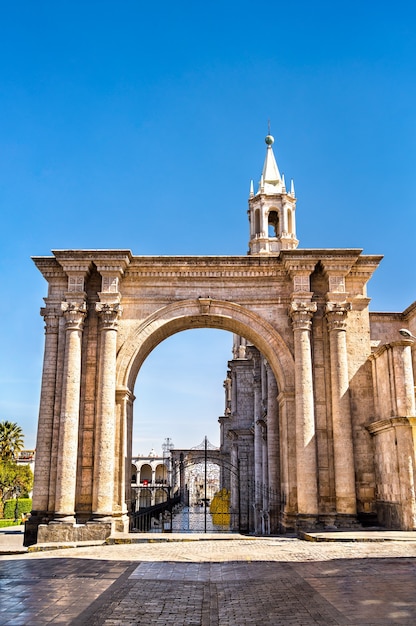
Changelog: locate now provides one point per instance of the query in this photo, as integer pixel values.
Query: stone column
(336, 314)
(284, 229)
(234, 485)
(404, 378)
(306, 465)
(74, 314)
(103, 487)
(46, 413)
(273, 451)
(266, 490)
(123, 457)
(258, 453)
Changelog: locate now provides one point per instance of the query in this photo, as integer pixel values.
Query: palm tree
(11, 440)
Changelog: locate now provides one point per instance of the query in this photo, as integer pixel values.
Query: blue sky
(139, 125)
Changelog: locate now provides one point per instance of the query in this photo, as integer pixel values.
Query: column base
(63, 519)
(63, 532)
(306, 521)
(287, 523)
(346, 520)
(119, 523)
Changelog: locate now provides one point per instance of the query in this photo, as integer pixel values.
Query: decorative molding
(380, 426)
(110, 284)
(302, 283)
(76, 283)
(186, 273)
(336, 284)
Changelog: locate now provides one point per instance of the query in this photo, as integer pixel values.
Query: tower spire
(271, 209)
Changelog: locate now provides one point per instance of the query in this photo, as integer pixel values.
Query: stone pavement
(217, 582)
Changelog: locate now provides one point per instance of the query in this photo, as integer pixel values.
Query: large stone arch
(106, 310)
(204, 313)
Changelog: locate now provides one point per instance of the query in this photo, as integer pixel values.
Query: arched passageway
(107, 310)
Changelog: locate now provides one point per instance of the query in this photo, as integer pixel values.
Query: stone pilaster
(42, 470)
(266, 489)
(306, 465)
(106, 397)
(74, 314)
(336, 314)
(273, 451)
(258, 452)
(124, 436)
(234, 484)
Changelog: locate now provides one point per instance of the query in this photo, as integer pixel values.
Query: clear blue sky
(139, 125)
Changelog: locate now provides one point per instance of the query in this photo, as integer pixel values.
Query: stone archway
(202, 313)
(106, 310)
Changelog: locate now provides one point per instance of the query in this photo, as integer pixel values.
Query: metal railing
(157, 518)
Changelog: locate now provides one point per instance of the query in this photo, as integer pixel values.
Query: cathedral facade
(320, 418)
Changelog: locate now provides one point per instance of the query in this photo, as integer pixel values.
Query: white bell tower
(271, 210)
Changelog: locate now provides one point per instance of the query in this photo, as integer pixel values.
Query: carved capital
(51, 316)
(336, 315)
(301, 314)
(108, 314)
(74, 314)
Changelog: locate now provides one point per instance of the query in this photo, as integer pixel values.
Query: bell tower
(271, 210)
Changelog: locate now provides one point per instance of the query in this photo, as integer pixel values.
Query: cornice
(49, 267)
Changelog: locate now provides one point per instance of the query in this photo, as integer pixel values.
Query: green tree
(11, 440)
(15, 480)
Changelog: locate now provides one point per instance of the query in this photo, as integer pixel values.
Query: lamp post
(407, 334)
(16, 508)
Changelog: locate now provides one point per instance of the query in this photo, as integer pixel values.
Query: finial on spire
(251, 189)
(292, 188)
(269, 139)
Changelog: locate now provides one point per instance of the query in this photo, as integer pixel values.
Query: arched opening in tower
(273, 222)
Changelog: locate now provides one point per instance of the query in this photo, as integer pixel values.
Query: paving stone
(261, 582)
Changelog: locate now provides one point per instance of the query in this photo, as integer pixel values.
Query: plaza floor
(218, 581)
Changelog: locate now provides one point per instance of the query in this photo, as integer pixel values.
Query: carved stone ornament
(74, 314)
(75, 283)
(204, 305)
(51, 317)
(109, 314)
(110, 284)
(337, 284)
(336, 314)
(301, 283)
(301, 314)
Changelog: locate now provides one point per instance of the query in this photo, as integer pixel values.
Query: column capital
(124, 395)
(301, 314)
(74, 314)
(51, 317)
(336, 315)
(108, 314)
